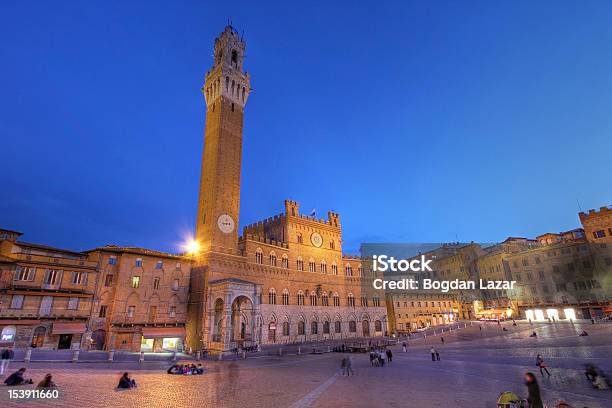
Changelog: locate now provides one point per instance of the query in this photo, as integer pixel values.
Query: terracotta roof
(135, 250)
(48, 248)
(5, 259)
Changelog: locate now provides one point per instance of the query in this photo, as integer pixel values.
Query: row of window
(314, 299)
(135, 282)
(112, 260)
(299, 264)
(46, 303)
(418, 304)
(601, 233)
(52, 277)
(131, 311)
(314, 327)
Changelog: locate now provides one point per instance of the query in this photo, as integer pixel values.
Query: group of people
(19, 378)
(378, 357)
(347, 366)
(435, 354)
(596, 377)
(186, 369)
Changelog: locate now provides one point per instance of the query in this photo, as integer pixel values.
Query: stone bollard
(75, 356)
(299, 350)
(141, 358)
(280, 351)
(244, 355)
(174, 355)
(28, 355)
(111, 356)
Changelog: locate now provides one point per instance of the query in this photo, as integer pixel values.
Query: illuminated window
(135, 281)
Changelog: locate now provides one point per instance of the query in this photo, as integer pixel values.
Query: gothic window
(325, 300)
(334, 269)
(314, 328)
(285, 328)
(301, 328)
(337, 326)
(300, 239)
(326, 327)
(285, 297)
(350, 300)
(364, 301)
(352, 326)
(272, 258)
(272, 296)
(376, 302)
(336, 300)
(323, 266)
(259, 256)
(331, 245)
(313, 299)
(377, 326)
(348, 270)
(300, 298)
(311, 265)
(285, 261)
(300, 264)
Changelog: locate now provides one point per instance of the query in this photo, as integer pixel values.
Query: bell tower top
(227, 76)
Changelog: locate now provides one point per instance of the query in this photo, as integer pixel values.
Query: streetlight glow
(192, 246)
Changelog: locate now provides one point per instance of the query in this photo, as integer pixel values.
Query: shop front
(68, 335)
(162, 339)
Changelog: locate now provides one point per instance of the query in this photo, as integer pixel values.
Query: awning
(151, 332)
(68, 328)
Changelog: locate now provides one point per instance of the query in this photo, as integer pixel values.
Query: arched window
(272, 296)
(311, 265)
(336, 300)
(243, 93)
(285, 328)
(323, 266)
(299, 238)
(314, 328)
(235, 58)
(376, 301)
(285, 297)
(378, 326)
(313, 299)
(331, 245)
(325, 299)
(259, 256)
(352, 326)
(300, 263)
(337, 326)
(233, 86)
(359, 271)
(39, 336)
(334, 269)
(272, 258)
(300, 298)
(364, 301)
(285, 261)
(326, 327)
(350, 300)
(348, 270)
(301, 328)
(226, 84)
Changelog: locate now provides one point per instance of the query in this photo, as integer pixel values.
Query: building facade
(46, 294)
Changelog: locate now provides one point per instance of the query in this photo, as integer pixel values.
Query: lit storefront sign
(569, 314)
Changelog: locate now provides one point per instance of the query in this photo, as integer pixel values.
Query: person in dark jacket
(389, 355)
(533, 390)
(17, 378)
(125, 382)
(6, 357)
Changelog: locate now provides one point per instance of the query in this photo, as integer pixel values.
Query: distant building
(46, 294)
(597, 224)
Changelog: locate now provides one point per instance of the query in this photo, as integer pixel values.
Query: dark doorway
(64, 341)
(97, 339)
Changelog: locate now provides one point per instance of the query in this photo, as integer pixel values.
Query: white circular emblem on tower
(316, 239)
(225, 223)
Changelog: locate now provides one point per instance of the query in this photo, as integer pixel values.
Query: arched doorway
(38, 338)
(98, 338)
(242, 330)
(365, 326)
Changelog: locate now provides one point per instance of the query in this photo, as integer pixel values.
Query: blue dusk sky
(417, 121)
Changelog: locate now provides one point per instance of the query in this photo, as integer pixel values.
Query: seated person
(46, 382)
(125, 382)
(17, 378)
(200, 369)
(584, 333)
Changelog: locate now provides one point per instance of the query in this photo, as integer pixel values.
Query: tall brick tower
(226, 90)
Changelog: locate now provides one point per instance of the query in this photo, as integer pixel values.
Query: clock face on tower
(225, 223)
(316, 239)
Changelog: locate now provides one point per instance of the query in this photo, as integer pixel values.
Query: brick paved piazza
(473, 370)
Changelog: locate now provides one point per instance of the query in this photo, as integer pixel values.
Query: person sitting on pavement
(534, 334)
(46, 382)
(200, 369)
(125, 382)
(17, 378)
(584, 333)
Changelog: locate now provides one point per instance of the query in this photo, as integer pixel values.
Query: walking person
(343, 366)
(433, 353)
(533, 392)
(437, 355)
(404, 348)
(442, 340)
(349, 366)
(540, 363)
(389, 356)
(7, 356)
